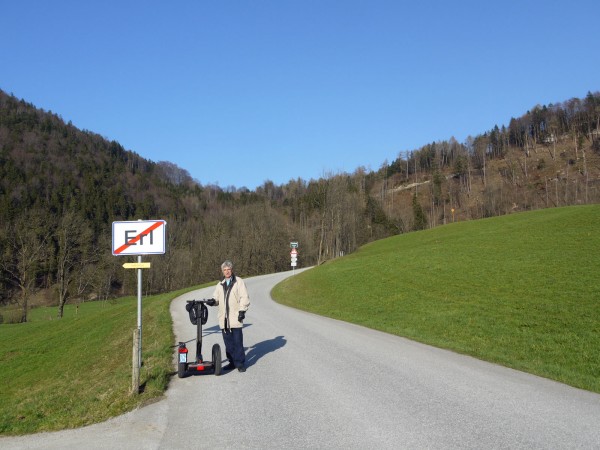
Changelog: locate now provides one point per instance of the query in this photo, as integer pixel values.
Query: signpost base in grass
(135, 370)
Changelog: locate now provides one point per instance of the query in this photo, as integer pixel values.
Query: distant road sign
(293, 244)
(139, 237)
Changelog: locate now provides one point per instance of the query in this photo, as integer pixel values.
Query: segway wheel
(216, 357)
(181, 369)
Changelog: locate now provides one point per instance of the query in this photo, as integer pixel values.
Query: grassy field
(519, 290)
(76, 371)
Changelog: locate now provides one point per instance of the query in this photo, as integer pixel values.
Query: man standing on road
(233, 300)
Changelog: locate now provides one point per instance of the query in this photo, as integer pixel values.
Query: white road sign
(140, 237)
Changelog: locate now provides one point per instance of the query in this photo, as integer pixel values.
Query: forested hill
(52, 166)
(61, 188)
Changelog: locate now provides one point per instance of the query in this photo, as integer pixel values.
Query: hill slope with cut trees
(61, 188)
(548, 157)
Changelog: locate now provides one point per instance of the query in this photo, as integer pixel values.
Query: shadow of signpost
(263, 348)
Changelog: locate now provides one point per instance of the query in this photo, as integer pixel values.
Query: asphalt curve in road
(317, 383)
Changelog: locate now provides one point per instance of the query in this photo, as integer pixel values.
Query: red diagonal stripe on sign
(138, 237)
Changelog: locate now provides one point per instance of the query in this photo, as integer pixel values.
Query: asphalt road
(316, 383)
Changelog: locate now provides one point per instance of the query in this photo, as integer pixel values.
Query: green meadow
(67, 373)
(519, 290)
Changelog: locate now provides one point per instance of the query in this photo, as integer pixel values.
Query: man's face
(227, 272)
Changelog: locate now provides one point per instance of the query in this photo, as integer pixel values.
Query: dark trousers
(234, 346)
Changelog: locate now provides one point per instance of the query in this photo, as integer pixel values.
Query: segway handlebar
(197, 309)
(207, 301)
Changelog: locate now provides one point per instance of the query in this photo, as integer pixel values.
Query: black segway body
(198, 316)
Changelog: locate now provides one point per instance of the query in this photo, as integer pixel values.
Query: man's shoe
(229, 366)
(241, 369)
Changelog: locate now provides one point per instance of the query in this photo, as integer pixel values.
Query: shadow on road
(263, 348)
(207, 332)
(211, 330)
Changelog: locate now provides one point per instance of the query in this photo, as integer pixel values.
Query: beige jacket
(229, 306)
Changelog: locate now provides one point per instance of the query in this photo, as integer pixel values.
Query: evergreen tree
(420, 221)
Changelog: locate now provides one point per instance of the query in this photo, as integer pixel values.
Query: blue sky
(240, 92)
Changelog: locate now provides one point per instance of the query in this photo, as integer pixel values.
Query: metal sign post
(142, 237)
(294, 257)
(139, 311)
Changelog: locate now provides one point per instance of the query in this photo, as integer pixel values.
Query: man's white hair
(228, 264)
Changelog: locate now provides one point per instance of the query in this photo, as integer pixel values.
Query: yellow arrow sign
(143, 265)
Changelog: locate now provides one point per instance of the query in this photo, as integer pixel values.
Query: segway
(198, 316)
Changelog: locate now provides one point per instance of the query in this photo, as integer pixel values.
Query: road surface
(317, 383)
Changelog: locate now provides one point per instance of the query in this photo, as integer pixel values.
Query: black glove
(188, 306)
(211, 302)
(241, 316)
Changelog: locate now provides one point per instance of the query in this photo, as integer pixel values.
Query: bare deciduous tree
(72, 237)
(24, 256)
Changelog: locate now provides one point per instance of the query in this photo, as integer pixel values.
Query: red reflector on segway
(200, 368)
(183, 350)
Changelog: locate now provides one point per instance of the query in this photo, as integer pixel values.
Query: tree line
(547, 157)
(61, 188)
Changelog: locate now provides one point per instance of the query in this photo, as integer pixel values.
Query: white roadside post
(141, 237)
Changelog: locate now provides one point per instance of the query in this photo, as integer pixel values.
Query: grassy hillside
(520, 290)
(76, 371)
